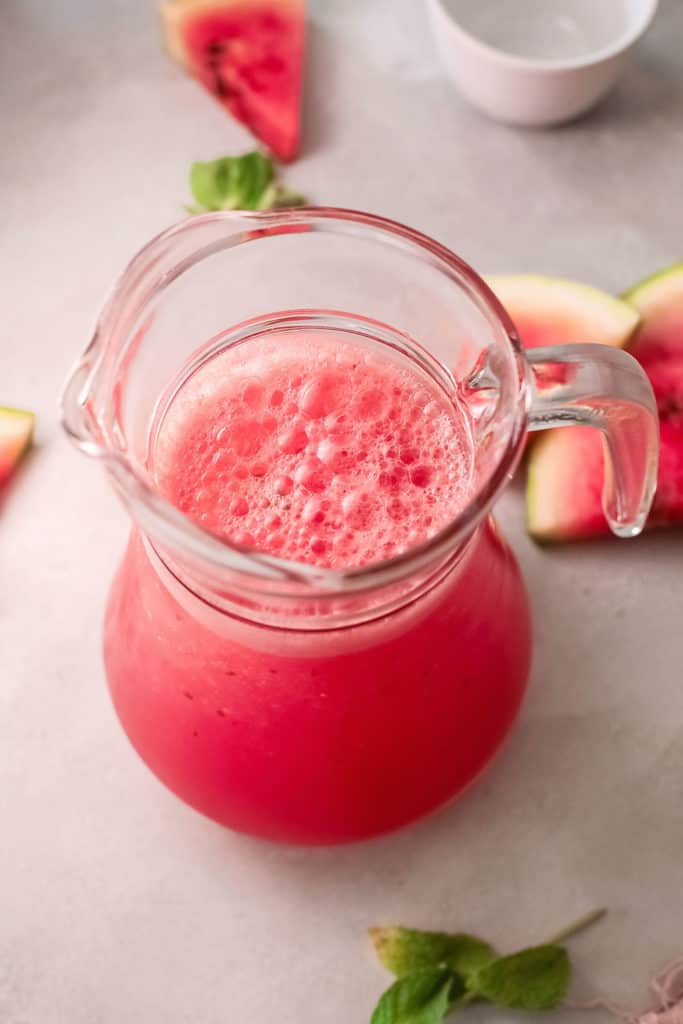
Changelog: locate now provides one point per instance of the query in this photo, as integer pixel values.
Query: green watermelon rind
(650, 297)
(652, 283)
(620, 317)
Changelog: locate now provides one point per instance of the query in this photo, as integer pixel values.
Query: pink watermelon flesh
(249, 55)
(566, 468)
(16, 434)
(666, 376)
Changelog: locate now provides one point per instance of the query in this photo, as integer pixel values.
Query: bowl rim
(620, 44)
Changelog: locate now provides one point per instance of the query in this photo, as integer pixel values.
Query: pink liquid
(330, 456)
(315, 451)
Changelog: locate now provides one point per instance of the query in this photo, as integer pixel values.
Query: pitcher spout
(76, 403)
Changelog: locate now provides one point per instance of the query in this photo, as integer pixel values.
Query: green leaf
(253, 172)
(238, 183)
(422, 997)
(535, 979)
(402, 950)
(207, 183)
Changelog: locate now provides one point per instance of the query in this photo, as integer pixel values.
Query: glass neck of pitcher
(205, 284)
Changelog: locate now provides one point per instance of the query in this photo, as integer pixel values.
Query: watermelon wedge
(249, 55)
(554, 311)
(16, 436)
(566, 466)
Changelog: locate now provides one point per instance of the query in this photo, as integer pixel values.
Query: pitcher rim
(163, 520)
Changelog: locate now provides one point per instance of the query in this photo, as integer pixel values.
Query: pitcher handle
(597, 386)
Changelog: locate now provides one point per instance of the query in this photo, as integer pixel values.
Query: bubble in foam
(335, 455)
(318, 397)
(312, 475)
(239, 506)
(317, 545)
(293, 439)
(408, 455)
(246, 436)
(258, 469)
(313, 511)
(283, 485)
(338, 424)
(421, 476)
(253, 393)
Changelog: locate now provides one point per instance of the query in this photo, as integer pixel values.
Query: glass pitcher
(301, 703)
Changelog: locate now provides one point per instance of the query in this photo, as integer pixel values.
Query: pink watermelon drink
(316, 634)
(312, 448)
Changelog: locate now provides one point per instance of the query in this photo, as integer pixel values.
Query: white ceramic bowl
(537, 62)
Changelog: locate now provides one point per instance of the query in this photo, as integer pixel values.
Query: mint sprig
(439, 972)
(245, 182)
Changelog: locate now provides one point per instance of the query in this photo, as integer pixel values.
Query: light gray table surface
(118, 905)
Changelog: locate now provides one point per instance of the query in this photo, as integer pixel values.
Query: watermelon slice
(566, 466)
(553, 311)
(16, 435)
(249, 54)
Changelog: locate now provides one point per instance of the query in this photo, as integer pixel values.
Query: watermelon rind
(598, 316)
(656, 289)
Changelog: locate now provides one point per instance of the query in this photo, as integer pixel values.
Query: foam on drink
(315, 449)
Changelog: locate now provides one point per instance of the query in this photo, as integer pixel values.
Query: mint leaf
(422, 997)
(251, 175)
(206, 184)
(535, 979)
(238, 183)
(402, 950)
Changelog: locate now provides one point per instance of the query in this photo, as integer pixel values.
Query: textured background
(117, 904)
